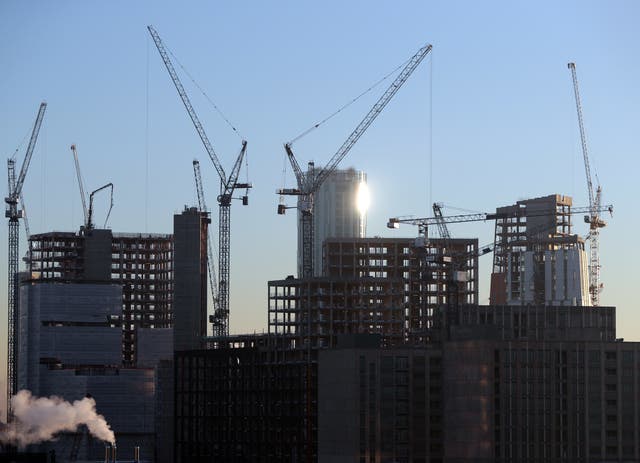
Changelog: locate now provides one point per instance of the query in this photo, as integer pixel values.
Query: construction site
(378, 350)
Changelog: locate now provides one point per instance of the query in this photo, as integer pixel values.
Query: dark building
(189, 332)
(247, 401)
(190, 278)
(498, 383)
(378, 405)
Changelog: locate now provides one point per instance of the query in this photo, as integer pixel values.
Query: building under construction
(389, 286)
(537, 259)
(140, 263)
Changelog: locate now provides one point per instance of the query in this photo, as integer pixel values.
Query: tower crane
(11, 169)
(216, 319)
(593, 219)
(453, 261)
(228, 185)
(85, 211)
(424, 222)
(442, 225)
(309, 183)
(13, 213)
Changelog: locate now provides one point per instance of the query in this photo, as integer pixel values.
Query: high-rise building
(140, 263)
(190, 278)
(336, 213)
(501, 383)
(390, 286)
(70, 346)
(537, 260)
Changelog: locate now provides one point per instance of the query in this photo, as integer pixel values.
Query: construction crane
(228, 185)
(424, 222)
(216, 318)
(13, 213)
(88, 212)
(310, 182)
(11, 168)
(83, 197)
(89, 224)
(452, 262)
(442, 225)
(593, 219)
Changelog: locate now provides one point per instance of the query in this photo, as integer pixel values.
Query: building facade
(140, 263)
(70, 346)
(247, 401)
(190, 283)
(500, 383)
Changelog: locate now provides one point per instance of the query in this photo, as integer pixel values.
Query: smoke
(38, 419)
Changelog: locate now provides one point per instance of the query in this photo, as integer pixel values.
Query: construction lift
(593, 219)
(13, 213)
(228, 185)
(310, 182)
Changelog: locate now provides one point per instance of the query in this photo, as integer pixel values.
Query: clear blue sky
(488, 119)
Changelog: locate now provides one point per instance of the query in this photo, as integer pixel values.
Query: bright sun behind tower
(363, 198)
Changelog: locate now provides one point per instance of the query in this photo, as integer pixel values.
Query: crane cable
(20, 145)
(218, 110)
(345, 106)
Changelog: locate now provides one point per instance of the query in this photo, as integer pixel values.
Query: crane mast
(593, 219)
(227, 188)
(217, 319)
(13, 213)
(80, 185)
(310, 182)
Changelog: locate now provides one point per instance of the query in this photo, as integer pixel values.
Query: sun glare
(363, 199)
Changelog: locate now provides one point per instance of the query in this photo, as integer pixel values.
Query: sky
(487, 119)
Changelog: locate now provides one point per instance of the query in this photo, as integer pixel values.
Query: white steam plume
(38, 419)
